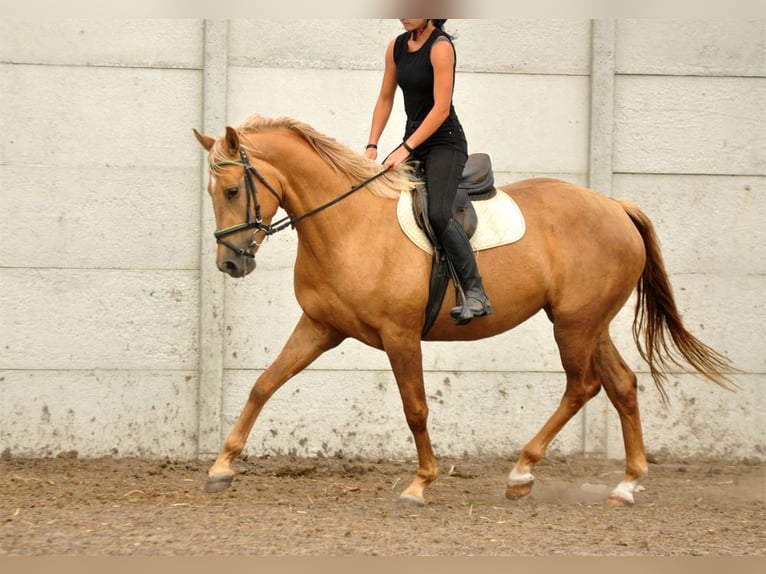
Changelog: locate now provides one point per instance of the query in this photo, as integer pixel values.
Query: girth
(478, 183)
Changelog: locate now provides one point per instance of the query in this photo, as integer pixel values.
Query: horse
(357, 275)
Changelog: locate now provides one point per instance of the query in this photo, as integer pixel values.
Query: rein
(257, 223)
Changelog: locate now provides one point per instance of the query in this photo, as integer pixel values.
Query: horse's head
(242, 214)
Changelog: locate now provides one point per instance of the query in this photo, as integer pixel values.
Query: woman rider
(421, 61)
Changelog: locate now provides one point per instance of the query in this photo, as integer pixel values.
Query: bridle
(252, 197)
(254, 220)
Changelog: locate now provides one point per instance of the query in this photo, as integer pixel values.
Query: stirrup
(462, 314)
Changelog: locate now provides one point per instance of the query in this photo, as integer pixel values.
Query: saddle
(477, 184)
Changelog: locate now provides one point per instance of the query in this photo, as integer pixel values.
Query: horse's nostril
(231, 267)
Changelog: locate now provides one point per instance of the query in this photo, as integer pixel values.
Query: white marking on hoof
(520, 478)
(624, 492)
(519, 485)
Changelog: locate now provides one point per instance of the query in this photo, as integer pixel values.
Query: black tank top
(415, 76)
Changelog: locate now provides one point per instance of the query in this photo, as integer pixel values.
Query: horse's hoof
(619, 501)
(217, 482)
(517, 490)
(412, 499)
(623, 494)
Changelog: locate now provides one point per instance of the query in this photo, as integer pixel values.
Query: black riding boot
(458, 249)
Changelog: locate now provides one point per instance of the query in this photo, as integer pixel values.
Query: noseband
(256, 222)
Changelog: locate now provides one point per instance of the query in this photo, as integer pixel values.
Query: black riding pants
(444, 165)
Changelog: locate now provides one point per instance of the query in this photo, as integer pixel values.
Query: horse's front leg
(407, 363)
(308, 340)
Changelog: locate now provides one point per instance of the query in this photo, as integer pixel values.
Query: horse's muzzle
(236, 265)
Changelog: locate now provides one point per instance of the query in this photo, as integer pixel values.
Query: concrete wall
(99, 227)
(117, 334)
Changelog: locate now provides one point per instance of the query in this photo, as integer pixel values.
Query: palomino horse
(357, 275)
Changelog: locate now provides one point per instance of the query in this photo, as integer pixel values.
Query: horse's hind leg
(307, 342)
(577, 353)
(620, 385)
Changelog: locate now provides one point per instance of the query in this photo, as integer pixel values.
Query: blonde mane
(340, 157)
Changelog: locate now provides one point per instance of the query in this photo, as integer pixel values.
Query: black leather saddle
(478, 183)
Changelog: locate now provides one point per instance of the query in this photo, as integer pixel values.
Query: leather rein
(254, 220)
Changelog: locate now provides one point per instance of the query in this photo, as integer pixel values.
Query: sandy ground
(284, 506)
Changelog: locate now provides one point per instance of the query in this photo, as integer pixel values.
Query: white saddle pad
(500, 222)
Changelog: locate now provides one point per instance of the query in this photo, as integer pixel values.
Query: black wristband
(374, 146)
(407, 147)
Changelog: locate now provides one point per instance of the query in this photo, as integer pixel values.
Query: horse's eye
(231, 193)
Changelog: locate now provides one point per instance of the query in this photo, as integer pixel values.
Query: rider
(421, 61)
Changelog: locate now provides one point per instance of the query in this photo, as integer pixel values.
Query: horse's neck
(316, 198)
(311, 186)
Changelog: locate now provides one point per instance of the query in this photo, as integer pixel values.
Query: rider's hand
(371, 153)
(396, 157)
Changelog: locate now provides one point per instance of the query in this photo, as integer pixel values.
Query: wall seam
(595, 425)
(211, 281)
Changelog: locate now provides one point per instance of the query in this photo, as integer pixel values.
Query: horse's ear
(206, 141)
(232, 141)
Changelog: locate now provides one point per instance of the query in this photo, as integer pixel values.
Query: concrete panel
(123, 218)
(725, 311)
(338, 103)
(691, 47)
(690, 125)
(523, 46)
(527, 123)
(147, 42)
(706, 224)
(552, 46)
(106, 117)
(702, 420)
(99, 413)
(319, 44)
(80, 319)
(359, 413)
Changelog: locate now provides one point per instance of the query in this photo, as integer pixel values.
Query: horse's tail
(666, 342)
